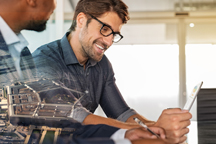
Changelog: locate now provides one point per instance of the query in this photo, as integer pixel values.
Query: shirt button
(86, 91)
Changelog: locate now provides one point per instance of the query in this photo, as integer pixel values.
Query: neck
(73, 39)
(15, 28)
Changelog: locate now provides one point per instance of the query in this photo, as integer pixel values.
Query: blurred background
(169, 46)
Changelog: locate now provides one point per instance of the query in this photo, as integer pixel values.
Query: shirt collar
(69, 56)
(9, 36)
(22, 43)
(68, 53)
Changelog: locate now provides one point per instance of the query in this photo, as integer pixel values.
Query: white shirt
(118, 137)
(15, 43)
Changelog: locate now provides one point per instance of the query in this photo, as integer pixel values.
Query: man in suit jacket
(16, 66)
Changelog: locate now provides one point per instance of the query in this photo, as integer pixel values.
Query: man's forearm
(94, 119)
(143, 119)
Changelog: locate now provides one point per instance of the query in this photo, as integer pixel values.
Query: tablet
(192, 97)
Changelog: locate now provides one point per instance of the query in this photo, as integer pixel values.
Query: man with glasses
(78, 61)
(106, 31)
(15, 16)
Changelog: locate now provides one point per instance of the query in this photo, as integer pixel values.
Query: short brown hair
(99, 7)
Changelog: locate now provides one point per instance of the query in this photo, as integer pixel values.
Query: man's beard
(87, 47)
(36, 25)
(89, 50)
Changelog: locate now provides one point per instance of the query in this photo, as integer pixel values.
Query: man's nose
(108, 40)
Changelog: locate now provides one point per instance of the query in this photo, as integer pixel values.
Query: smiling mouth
(101, 48)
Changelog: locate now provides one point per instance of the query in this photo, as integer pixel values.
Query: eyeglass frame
(103, 24)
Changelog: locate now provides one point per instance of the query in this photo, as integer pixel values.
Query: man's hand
(174, 122)
(142, 133)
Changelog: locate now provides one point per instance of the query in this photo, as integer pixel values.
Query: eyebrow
(110, 27)
(105, 24)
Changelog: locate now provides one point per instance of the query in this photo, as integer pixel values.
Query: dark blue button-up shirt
(93, 85)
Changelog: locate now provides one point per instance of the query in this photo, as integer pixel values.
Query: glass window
(147, 76)
(200, 61)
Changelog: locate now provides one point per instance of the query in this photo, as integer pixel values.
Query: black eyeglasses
(106, 31)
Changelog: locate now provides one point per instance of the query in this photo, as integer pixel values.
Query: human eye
(106, 30)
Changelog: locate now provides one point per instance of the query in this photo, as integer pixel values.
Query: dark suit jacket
(8, 72)
(89, 134)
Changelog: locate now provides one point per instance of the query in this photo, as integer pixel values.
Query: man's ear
(32, 3)
(81, 19)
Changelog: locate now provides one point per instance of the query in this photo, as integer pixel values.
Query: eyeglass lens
(106, 31)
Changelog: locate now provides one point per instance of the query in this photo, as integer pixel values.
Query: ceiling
(158, 5)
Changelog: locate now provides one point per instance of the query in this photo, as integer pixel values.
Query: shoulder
(48, 49)
(48, 54)
(105, 64)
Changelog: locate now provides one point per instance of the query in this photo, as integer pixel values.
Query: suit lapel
(3, 45)
(8, 72)
(7, 69)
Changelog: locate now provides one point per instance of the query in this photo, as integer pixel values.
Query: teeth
(99, 47)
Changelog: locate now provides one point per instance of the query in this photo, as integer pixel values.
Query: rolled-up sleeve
(80, 113)
(124, 116)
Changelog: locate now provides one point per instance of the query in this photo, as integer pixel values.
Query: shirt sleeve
(111, 100)
(122, 141)
(124, 116)
(80, 113)
(119, 137)
(46, 69)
